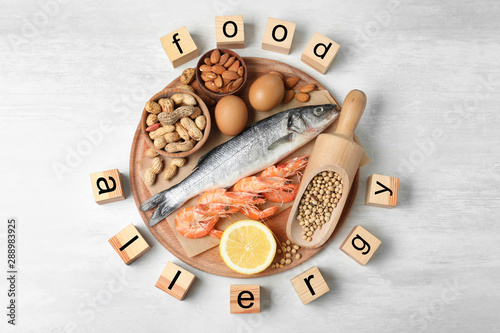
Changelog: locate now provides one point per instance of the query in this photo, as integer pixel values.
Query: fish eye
(318, 111)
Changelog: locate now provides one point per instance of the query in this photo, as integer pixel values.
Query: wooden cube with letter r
(175, 280)
(320, 52)
(129, 244)
(310, 285)
(107, 186)
(360, 245)
(244, 299)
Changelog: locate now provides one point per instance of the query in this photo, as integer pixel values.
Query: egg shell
(231, 115)
(266, 92)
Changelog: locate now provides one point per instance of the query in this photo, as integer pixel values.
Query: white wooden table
(70, 70)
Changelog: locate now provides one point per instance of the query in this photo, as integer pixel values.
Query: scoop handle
(352, 110)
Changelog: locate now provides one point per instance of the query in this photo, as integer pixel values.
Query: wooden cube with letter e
(320, 52)
(107, 186)
(175, 281)
(278, 36)
(360, 245)
(230, 32)
(244, 299)
(382, 191)
(129, 244)
(310, 285)
(179, 46)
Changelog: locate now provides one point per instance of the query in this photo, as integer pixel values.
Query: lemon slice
(247, 247)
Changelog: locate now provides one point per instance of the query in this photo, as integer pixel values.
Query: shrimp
(263, 184)
(286, 169)
(256, 214)
(192, 225)
(221, 202)
(282, 196)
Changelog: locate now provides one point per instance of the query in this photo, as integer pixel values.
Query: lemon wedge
(247, 247)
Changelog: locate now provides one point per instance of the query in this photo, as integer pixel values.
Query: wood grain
(210, 260)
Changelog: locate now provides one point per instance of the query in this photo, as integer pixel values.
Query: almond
(307, 88)
(225, 89)
(230, 75)
(241, 71)
(223, 59)
(208, 62)
(302, 97)
(277, 73)
(218, 69)
(229, 62)
(208, 76)
(235, 84)
(205, 68)
(225, 81)
(234, 67)
(215, 57)
(288, 96)
(218, 81)
(291, 82)
(211, 86)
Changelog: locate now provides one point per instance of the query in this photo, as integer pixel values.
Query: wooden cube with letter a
(129, 244)
(244, 299)
(382, 191)
(360, 245)
(175, 281)
(179, 46)
(230, 32)
(320, 52)
(107, 186)
(278, 36)
(310, 285)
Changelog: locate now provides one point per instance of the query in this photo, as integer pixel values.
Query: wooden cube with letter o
(230, 32)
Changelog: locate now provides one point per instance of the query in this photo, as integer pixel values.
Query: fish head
(312, 120)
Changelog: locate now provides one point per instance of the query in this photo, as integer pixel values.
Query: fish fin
(152, 202)
(284, 139)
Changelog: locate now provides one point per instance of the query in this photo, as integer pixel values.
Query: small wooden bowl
(165, 93)
(201, 83)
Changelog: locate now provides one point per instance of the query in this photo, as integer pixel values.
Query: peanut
(151, 119)
(183, 133)
(150, 152)
(172, 137)
(179, 161)
(166, 104)
(201, 122)
(170, 172)
(175, 147)
(196, 113)
(153, 127)
(149, 177)
(161, 131)
(185, 87)
(193, 130)
(184, 99)
(152, 107)
(187, 75)
(160, 142)
(171, 118)
(157, 165)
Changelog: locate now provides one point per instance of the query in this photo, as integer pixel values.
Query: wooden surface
(210, 261)
(432, 76)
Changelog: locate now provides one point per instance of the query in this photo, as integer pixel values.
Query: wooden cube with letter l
(278, 36)
(230, 32)
(175, 280)
(382, 191)
(320, 52)
(244, 299)
(360, 245)
(179, 46)
(129, 244)
(107, 186)
(310, 285)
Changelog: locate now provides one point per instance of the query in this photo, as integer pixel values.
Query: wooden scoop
(332, 152)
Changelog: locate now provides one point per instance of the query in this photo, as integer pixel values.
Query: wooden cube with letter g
(360, 245)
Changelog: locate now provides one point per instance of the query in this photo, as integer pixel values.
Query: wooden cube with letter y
(107, 186)
(360, 245)
(175, 281)
(230, 32)
(278, 36)
(244, 299)
(129, 244)
(179, 46)
(382, 191)
(310, 285)
(320, 52)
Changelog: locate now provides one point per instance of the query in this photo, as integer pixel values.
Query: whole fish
(263, 144)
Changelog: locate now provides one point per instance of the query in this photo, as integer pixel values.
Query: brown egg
(266, 92)
(231, 115)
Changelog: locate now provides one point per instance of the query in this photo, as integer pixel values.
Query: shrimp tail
(215, 233)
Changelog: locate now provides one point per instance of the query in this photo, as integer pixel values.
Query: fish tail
(168, 202)
(152, 202)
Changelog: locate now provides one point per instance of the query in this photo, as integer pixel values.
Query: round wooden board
(210, 261)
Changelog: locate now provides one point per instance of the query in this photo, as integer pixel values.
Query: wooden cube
(179, 47)
(244, 298)
(382, 191)
(107, 186)
(230, 32)
(278, 36)
(310, 285)
(360, 245)
(129, 244)
(320, 52)
(175, 281)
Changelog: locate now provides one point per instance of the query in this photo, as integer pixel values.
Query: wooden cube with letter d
(320, 52)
